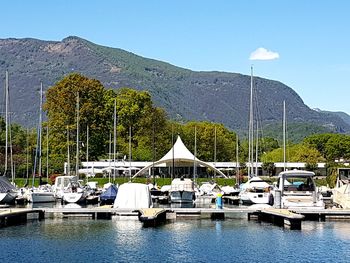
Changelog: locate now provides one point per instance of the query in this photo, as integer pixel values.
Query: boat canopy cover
(133, 196)
(110, 193)
(5, 185)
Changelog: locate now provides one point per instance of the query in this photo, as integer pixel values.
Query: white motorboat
(182, 191)
(75, 193)
(69, 189)
(341, 191)
(133, 196)
(62, 183)
(255, 191)
(43, 194)
(297, 189)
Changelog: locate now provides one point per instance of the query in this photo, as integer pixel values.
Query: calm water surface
(125, 240)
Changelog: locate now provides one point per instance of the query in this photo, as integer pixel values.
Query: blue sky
(311, 38)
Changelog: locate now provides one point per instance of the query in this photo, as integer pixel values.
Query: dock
(279, 217)
(9, 217)
(291, 218)
(152, 216)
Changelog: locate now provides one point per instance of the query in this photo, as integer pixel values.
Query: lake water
(185, 240)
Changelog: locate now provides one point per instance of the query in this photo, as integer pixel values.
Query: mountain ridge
(185, 94)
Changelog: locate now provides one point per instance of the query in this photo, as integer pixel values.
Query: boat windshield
(299, 184)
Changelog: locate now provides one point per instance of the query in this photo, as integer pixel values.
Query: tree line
(152, 133)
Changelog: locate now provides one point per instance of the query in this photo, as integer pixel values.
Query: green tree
(61, 101)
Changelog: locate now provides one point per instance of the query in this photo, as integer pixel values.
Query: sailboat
(8, 192)
(255, 190)
(75, 193)
(44, 193)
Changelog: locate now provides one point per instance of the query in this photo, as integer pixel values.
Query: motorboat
(209, 189)
(255, 191)
(62, 183)
(69, 189)
(341, 191)
(230, 190)
(182, 191)
(75, 193)
(160, 195)
(42, 194)
(8, 192)
(297, 189)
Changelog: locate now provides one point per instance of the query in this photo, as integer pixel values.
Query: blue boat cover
(110, 193)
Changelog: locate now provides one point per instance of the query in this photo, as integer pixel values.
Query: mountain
(185, 94)
(344, 116)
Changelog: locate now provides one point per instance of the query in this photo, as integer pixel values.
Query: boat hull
(250, 198)
(41, 197)
(74, 197)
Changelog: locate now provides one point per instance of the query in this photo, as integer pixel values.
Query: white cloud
(263, 54)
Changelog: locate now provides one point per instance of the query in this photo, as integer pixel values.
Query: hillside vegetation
(184, 94)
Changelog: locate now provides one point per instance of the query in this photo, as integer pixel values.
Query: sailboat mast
(87, 144)
(40, 127)
(172, 145)
(154, 150)
(251, 127)
(47, 153)
(27, 154)
(284, 135)
(6, 118)
(114, 136)
(109, 157)
(215, 152)
(77, 142)
(87, 148)
(68, 154)
(256, 148)
(130, 152)
(237, 162)
(195, 154)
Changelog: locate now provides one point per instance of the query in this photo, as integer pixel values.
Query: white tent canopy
(179, 154)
